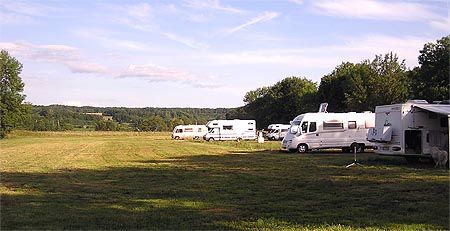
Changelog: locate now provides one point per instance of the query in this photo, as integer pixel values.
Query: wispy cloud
(20, 12)
(185, 41)
(266, 16)
(212, 5)
(59, 54)
(155, 73)
(374, 10)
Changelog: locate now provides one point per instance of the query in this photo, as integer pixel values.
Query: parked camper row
(218, 130)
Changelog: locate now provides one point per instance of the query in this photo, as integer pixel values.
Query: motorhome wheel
(302, 148)
(196, 137)
(211, 139)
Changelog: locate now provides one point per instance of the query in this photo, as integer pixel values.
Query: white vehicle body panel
(329, 130)
(189, 131)
(231, 130)
(277, 131)
(411, 128)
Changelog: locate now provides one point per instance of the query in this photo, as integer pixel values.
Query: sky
(201, 53)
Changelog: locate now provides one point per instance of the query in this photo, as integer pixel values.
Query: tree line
(62, 118)
(353, 87)
(349, 87)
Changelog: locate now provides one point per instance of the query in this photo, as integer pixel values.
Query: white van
(329, 130)
(277, 131)
(410, 129)
(189, 131)
(231, 130)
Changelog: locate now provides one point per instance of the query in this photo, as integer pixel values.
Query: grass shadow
(259, 190)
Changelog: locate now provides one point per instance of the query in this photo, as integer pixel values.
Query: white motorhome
(231, 130)
(410, 129)
(277, 131)
(329, 130)
(189, 131)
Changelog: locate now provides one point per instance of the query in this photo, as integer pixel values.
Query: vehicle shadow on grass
(261, 190)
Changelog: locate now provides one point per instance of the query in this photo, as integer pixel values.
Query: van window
(179, 130)
(227, 127)
(332, 125)
(312, 127)
(188, 130)
(304, 127)
(351, 124)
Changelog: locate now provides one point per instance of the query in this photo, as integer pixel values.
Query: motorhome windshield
(294, 126)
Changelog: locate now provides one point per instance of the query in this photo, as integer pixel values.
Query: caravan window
(370, 124)
(333, 125)
(227, 127)
(351, 124)
(312, 127)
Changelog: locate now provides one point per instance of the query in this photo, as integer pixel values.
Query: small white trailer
(410, 129)
(189, 131)
(231, 130)
(329, 130)
(277, 131)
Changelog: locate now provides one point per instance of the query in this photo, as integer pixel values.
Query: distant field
(126, 180)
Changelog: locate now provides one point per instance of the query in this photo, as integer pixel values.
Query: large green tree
(13, 111)
(431, 78)
(362, 86)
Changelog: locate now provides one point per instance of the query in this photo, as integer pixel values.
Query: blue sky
(201, 53)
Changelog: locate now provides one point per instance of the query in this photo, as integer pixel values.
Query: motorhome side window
(304, 126)
(312, 127)
(179, 130)
(200, 129)
(227, 127)
(188, 130)
(332, 125)
(351, 124)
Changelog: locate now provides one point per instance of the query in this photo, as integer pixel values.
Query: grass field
(123, 181)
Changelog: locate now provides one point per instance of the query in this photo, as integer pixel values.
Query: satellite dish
(323, 108)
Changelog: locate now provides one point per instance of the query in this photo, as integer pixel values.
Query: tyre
(196, 137)
(211, 139)
(239, 139)
(177, 137)
(302, 148)
(359, 147)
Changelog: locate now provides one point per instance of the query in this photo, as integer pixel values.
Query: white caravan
(277, 131)
(189, 131)
(231, 130)
(410, 129)
(329, 130)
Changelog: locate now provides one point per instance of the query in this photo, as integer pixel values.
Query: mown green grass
(123, 181)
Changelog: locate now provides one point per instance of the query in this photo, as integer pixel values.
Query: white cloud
(59, 54)
(376, 10)
(266, 16)
(300, 2)
(155, 73)
(212, 5)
